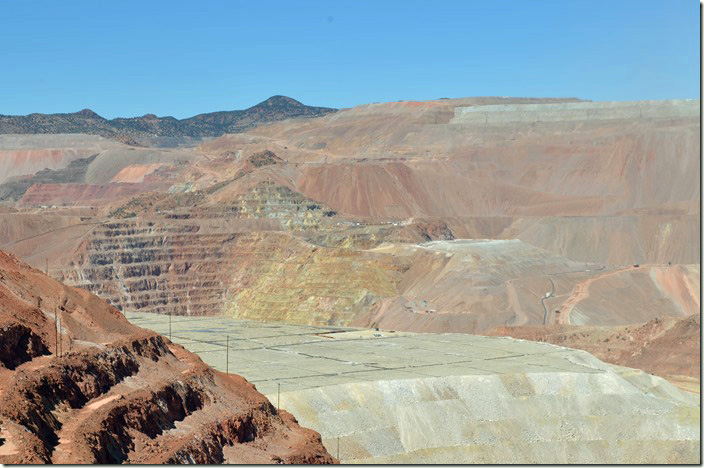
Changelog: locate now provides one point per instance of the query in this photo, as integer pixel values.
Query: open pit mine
(477, 280)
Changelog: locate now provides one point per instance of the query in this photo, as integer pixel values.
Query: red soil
(101, 390)
(668, 347)
(135, 173)
(84, 194)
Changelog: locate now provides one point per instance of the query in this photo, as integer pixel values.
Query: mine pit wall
(576, 111)
(181, 262)
(156, 267)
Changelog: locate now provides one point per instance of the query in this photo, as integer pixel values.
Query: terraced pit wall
(161, 268)
(181, 261)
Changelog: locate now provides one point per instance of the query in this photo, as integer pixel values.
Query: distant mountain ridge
(212, 124)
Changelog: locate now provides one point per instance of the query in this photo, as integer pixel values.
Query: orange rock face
(79, 384)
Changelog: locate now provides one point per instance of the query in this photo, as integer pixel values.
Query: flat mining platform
(299, 356)
(379, 396)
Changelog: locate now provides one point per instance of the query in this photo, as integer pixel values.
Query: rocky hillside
(80, 384)
(668, 346)
(127, 129)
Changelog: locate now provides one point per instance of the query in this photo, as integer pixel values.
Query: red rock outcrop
(80, 384)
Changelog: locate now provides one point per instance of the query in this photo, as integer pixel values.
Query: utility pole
(56, 327)
(338, 448)
(58, 335)
(170, 326)
(227, 356)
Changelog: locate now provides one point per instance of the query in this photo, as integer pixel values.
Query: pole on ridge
(56, 328)
(227, 356)
(58, 334)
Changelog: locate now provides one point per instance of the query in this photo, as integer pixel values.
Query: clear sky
(181, 58)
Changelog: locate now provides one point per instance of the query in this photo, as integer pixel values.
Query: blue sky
(182, 58)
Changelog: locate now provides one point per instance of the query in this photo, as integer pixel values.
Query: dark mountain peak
(88, 113)
(278, 101)
(130, 129)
